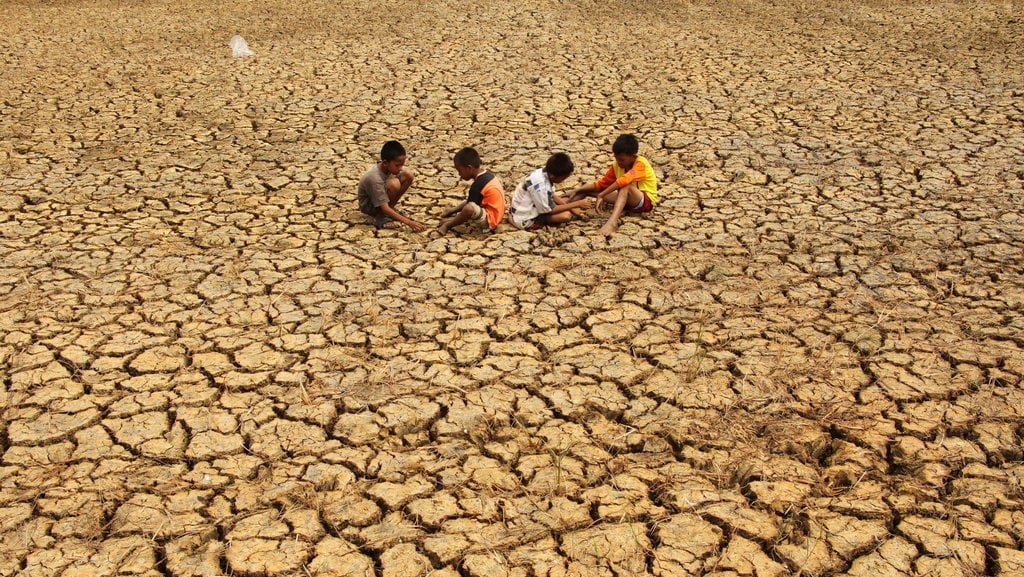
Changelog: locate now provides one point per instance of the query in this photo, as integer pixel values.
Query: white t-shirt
(534, 196)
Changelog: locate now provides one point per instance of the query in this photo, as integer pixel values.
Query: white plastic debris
(239, 49)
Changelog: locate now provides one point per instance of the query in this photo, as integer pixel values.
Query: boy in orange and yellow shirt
(630, 185)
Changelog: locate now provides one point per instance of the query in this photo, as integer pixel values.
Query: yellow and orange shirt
(641, 173)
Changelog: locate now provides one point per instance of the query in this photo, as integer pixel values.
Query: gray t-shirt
(372, 191)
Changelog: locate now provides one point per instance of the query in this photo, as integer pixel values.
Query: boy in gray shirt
(382, 186)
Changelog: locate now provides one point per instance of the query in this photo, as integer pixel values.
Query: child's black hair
(559, 164)
(468, 157)
(391, 150)
(626, 144)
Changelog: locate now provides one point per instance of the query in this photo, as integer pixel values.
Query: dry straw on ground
(807, 361)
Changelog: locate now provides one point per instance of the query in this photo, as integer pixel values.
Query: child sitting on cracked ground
(383, 185)
(630, 186)
(534, 202)
(485, 203)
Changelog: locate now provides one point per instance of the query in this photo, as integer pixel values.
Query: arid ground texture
(807, 361)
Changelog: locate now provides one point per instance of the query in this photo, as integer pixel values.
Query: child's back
(485, 202)
(535, 203)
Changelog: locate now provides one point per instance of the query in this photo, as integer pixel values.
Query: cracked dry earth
(808, 361)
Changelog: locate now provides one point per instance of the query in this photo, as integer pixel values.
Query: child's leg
(559, 218)
(548, 219)
(583, 192)
(397, 186)
(468, 212)
(451, 210)
(632, 195)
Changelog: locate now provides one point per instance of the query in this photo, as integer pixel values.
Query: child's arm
(585, 190)
(562, 205)
(601, 198)
(395, 215)
(454, 209)
(634, 174)
(606, 192)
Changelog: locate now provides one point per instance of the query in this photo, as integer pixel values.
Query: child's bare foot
(444, 226)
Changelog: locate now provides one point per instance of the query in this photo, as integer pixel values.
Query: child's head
(625, 149)
(559, 167)
(467, 162)
(392, 156)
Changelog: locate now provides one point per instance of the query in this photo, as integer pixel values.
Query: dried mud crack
(807, 361)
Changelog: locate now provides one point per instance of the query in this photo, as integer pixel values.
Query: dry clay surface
(807, 361)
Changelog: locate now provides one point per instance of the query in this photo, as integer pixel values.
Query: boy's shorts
(541, 221)
(644, 205)
(538, 222)
(532, 224)
(479, 215)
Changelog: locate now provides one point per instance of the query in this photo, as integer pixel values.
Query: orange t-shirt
(491, 197)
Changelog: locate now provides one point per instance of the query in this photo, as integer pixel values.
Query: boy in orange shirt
(485, 203)
(630, 185)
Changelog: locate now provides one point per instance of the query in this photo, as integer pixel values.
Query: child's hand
(417, 227)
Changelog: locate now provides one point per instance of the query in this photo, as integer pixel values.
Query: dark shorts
(644, 205)
(541, 221)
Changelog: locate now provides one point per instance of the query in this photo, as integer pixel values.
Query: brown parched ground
(809, 361)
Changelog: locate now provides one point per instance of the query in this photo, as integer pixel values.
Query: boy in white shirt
(534, 202)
